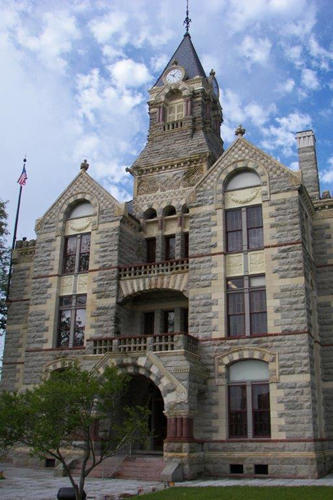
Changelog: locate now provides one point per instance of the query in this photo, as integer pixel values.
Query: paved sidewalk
(40, 484)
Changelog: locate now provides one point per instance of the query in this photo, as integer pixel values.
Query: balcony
(163, 342)
(170, 274)
(153, 268)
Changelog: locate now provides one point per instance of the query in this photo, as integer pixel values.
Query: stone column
(180, 428)
(307, 159)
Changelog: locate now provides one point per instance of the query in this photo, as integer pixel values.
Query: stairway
(144, 467)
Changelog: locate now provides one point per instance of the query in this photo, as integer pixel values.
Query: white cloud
(128, 73)
(158, 63)
(287, 86)
(55, 41)
(282, 136)
(258, 114)
(310, 79)
(105, 27)
(327, 173)
(294, 165)
(255, 50)
(295, 54)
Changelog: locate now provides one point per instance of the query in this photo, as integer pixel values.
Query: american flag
(23, 177)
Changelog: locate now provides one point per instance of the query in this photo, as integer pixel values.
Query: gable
(274, 176)
(83, 187)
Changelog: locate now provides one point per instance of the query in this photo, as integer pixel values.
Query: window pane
(64, 328)
(80, 322)
(258, 301)
(237, 411)
(236, 325)
(234, 241)
(65, 301)
(85, 243)
(235, 283)
(258, 323)
(70, 245)
(243, 180)
(254, 217)
(234, 220)
(261, 413)
(248, 370)
(236, 303)
(81, 300)
(255, 238)
(84, 262)
(257, 281)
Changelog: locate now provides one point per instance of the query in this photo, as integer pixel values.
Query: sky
(75, 77)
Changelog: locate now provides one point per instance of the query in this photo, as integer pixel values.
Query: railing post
(150, 343)
(115, 345)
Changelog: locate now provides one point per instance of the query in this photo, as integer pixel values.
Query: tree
(4, 262)
(63, 411)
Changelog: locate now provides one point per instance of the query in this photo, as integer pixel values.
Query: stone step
(145, 468)
(135, 467)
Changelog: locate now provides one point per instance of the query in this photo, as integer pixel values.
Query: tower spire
(187, 19)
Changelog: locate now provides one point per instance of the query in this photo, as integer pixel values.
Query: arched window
(243, 179)
(249, 408)
(185, 209)
(81, 209)
(169, 210)
(150, 213)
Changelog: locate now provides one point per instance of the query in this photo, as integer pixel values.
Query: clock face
(174, 75)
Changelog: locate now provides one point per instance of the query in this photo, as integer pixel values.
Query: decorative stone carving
(242, 197)
(79, 225)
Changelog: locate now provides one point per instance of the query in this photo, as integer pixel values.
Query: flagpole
(14, 235)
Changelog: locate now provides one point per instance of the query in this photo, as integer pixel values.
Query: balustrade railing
(153, 268)
(157, 343)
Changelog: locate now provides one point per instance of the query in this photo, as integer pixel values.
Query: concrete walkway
(40, 484)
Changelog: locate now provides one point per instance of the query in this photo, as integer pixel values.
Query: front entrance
(144, 392)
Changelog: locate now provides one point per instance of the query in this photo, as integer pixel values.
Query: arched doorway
(142, 391)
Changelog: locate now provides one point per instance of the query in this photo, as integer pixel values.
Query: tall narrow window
(246, 306)
(244, 229)
(170, 247)
(148, 323)
(151, 249)
(72, 321)
(249, 407)
(186, 245)
(76, 253)
(236, 307)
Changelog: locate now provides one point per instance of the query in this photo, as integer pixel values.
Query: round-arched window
(81, 209)
(169, 210)
(150, 213)
(244, 179)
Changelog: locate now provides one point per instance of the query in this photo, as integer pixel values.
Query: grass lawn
(244, 493)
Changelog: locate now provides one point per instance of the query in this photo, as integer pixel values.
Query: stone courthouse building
(212, 288)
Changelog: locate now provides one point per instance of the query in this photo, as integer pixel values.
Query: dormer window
(175, 111)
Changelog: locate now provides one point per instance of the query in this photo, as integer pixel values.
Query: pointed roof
(187, 57)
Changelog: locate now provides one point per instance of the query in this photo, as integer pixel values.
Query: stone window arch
(150, 213)
(169, 210)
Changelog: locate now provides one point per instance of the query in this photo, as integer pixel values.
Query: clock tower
(184, 131)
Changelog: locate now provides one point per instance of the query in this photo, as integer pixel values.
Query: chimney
(307, 159)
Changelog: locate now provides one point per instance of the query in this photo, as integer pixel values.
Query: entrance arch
(143, 392)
